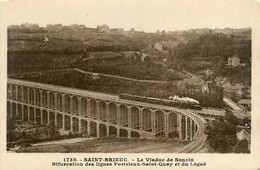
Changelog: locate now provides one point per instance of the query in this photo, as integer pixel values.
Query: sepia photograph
(129, 77)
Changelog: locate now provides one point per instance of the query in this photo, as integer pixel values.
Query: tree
(222, 134)
(11, 124)
(230, 118)
(234, 96)
(245, 121)
(245, 93)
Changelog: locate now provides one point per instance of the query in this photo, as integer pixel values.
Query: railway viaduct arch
(96, 114)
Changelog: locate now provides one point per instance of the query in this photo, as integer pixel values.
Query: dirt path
(90, 73)
(65, 141)
(73, 140)
(156, 148)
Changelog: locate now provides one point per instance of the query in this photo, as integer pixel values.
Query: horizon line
(176, 30)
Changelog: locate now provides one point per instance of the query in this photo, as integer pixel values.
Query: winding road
(232, 104)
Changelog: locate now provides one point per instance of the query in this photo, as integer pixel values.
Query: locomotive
(166, 102)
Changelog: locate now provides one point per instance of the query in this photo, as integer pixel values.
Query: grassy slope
(28, 52)
(108, 85)
(211, 51)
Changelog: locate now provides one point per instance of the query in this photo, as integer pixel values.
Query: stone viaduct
(96, 114)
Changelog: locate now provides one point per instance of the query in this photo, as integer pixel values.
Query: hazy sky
(147, 15)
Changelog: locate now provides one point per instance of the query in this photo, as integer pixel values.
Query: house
(244, 133)
(205, 87)
(30, 26)
(209, 73)
(56, 27)
(132, 54)
(78, 27)
(95, 76)
(46, 39)
(165, 46)
(246, 103)
(66, 28)
(132, 30)
(143, 57)
(161, 46)
(117, 31)
(129, 54)
(103, 28)
(234, 61)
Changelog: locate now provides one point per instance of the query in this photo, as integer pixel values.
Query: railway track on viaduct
(188, 119)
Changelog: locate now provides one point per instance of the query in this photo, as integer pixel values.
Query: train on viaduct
(97, 114)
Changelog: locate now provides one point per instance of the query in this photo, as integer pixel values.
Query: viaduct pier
(97, 114)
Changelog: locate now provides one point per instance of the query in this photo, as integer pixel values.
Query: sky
(146, 15)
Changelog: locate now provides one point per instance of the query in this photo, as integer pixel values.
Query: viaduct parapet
(97, 114)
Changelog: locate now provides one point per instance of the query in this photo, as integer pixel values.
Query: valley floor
(107, 145)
